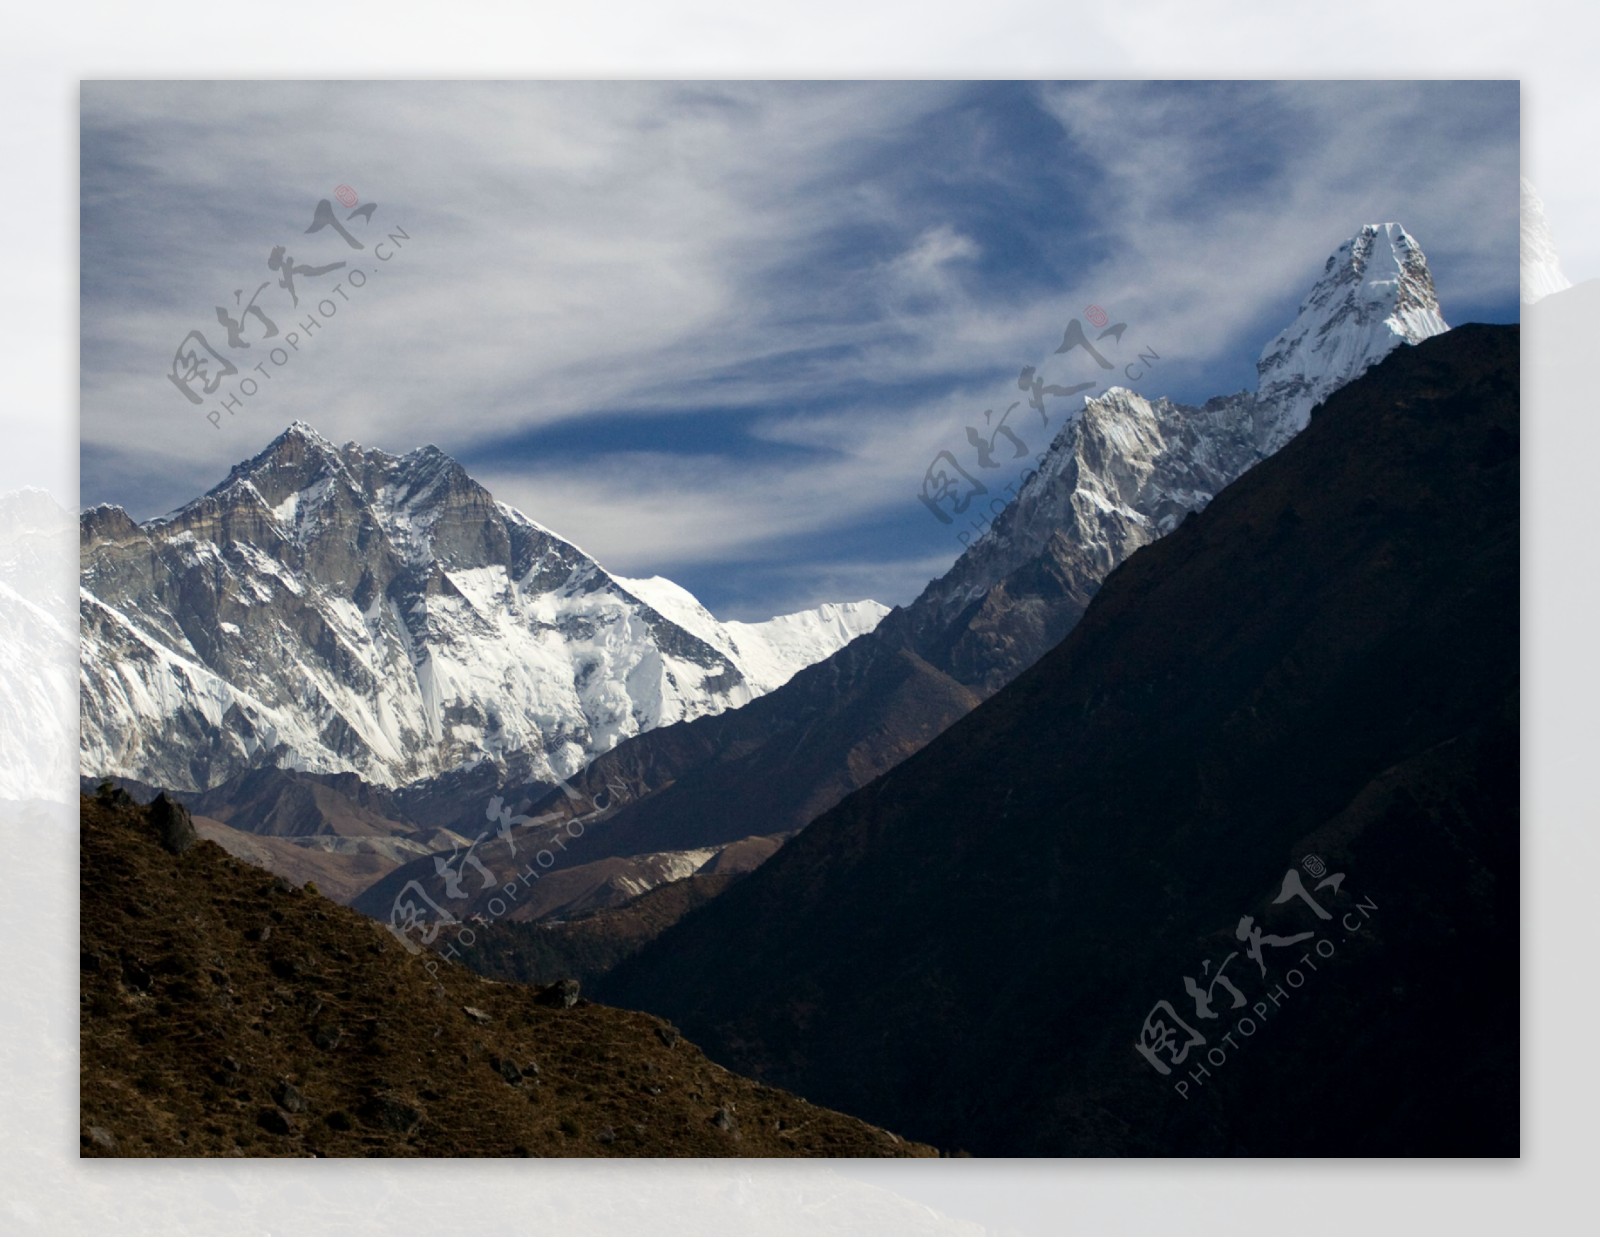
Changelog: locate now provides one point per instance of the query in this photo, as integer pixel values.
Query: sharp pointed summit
(1130, 467)
(1541, 265)
(1123, 474)
(1376, 293)
(339, 609)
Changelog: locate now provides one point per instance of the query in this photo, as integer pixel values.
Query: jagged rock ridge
(1124, 473)
(1130, 469)
(339, 609)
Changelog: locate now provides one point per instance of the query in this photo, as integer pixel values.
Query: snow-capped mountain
(338, 609)
(1130, 468)
(1376, 293)
(1541, 265)
(1119, 476)
(769, 653)
(37, 647)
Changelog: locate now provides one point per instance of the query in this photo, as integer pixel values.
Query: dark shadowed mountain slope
(1317, 675)
(1120, 473)
(225, 1013)
(587, 946)
(1118, 476)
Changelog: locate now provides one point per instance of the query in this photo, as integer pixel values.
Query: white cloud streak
(642, 248)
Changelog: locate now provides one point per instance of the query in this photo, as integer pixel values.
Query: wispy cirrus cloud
(692, 325)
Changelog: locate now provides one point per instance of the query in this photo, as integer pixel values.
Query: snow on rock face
(36, 651)
(769, 653)
(1129, 469)
(1541, 266)
(1376, 292)
(339, 609)
(775, 651)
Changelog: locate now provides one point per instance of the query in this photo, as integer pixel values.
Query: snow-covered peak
(31, 507)
(1375, 293)
(299, 440)
(303, 430)
(1541, 266)
(294, 461)
(343, 609)
(771, 652)
(1129, 468)
(775, 650)
(672, 601)
(36, 614)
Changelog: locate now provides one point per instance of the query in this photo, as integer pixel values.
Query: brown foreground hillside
(226, 1013)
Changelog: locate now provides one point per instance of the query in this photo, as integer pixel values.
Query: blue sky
(717, 331)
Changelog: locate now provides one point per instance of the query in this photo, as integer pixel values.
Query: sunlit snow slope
(340, 609)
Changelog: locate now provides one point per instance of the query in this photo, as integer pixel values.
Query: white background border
(46, 50)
